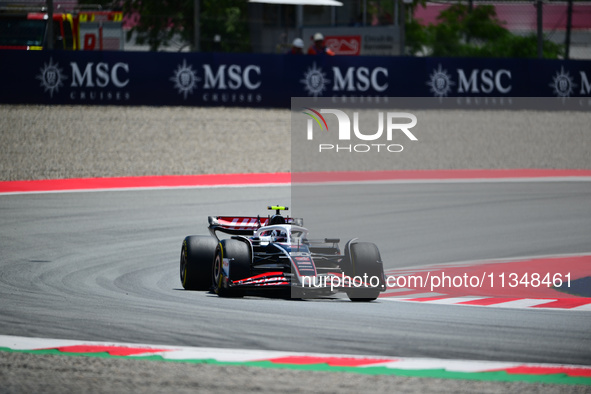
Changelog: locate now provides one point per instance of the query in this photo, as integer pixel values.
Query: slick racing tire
(237, 255)
(197, 255)
(364, 260)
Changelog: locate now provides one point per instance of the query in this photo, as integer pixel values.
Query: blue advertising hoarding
(259, 80)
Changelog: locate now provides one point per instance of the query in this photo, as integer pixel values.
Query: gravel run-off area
(49, 142)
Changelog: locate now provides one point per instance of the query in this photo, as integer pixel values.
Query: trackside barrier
(266, 80)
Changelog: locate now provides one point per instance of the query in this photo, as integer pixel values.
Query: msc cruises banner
(216, 79)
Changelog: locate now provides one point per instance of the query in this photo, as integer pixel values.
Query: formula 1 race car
(274, 253)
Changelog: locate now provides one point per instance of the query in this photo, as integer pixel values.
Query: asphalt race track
(104, 266)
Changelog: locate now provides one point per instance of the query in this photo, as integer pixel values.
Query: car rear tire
(239, 256)
(363, 260)
(197, 255)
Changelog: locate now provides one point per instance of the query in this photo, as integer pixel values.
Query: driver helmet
(277, 219)
(279, 235)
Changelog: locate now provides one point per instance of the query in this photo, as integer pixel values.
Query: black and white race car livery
(275, 253)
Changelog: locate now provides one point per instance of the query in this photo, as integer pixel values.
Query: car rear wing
(242, 225)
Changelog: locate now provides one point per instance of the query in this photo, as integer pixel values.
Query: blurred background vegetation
(462, 29)
(475, 32)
